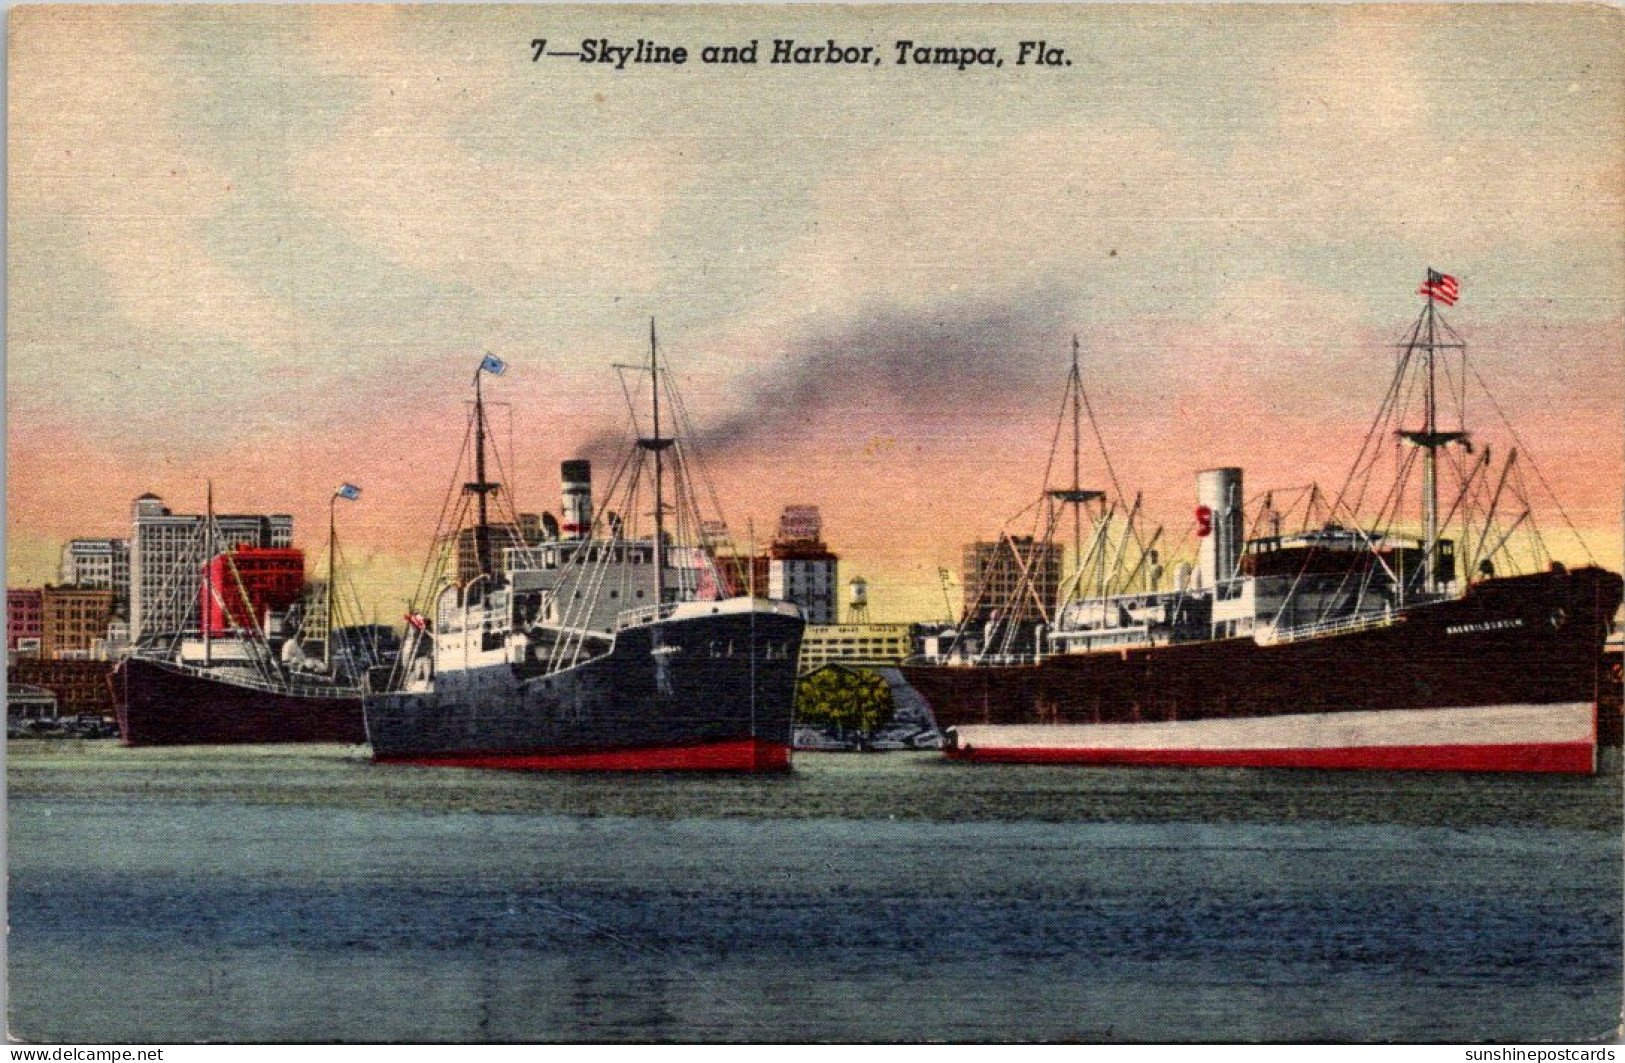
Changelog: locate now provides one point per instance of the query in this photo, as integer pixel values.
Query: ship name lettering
(1483, 625)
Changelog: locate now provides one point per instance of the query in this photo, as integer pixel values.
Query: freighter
(1343, 644)
(598, 649)
(172, 702)
(243, 674)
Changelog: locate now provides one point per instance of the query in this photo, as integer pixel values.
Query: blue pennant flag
(493, 365)
(350, 492)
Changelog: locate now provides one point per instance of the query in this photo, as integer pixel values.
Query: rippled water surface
(304, 894)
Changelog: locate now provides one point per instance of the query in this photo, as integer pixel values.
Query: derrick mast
(480, 487)
(657, 444)
(1076, 496)
(1424, 340)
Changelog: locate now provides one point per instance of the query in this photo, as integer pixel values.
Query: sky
(266, 246)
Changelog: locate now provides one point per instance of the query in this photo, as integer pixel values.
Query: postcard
(896, 523)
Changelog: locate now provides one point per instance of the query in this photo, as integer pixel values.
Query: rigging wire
(1529, 457)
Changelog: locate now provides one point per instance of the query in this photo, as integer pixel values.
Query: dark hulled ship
(1505, 677)
(660, 690)
(266, 662)
(166, 702)
(1341, 645)
(597, 649)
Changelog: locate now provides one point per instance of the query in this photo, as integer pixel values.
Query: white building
(116, 645)
(801, 568)
(103, 563)
(855, 644)
(809, 581)
(167, 558)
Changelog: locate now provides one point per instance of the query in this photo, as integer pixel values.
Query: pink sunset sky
(268, 246)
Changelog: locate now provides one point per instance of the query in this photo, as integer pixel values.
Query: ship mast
(1425, 339)
(1076, 496)
(480, 487)
(656, 443)
(1077, 444)
(332, 541)
(207, 610)
(1430, 462)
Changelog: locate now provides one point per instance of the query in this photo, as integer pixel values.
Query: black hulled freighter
(1344, 643)
(596, 647)
(258, 654)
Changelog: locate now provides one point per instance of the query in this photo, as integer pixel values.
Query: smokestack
(577, 512)
(1219, 523)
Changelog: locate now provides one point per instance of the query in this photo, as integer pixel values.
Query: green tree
(846, 700)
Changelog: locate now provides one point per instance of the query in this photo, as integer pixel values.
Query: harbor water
(302, 893)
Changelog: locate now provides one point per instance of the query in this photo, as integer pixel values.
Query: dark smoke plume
(968, 358)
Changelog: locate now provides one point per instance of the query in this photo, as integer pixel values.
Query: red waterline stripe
(1567, 757)
(746, 754)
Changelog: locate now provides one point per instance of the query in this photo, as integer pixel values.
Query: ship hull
(1611, 699)
(1520, 738)
(159, 704)
(670, 696)
(1527, 646)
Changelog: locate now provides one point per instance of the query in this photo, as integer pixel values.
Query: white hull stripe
(1481, 725)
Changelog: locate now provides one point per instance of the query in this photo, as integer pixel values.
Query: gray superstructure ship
(600, 649)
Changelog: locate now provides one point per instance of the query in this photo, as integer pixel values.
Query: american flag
(1441, 287)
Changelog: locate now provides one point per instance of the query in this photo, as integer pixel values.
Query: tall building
(72, 619)
(1009, 577)
(167, 556)
(99, 563)
(503, 537)
(24, 607)
(801, 569)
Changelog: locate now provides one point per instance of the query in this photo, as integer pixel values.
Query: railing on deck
(974, 660)
(647, 614)
(1273, 636)
(297, 685)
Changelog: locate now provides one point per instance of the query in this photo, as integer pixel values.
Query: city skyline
(273, 251)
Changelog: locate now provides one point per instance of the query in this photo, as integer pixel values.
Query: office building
(103, 563)
(72, 619)
(1010, 578)
(801, 568)
(854, 644)
(167, 554)
(24, 609)
(504, 536)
